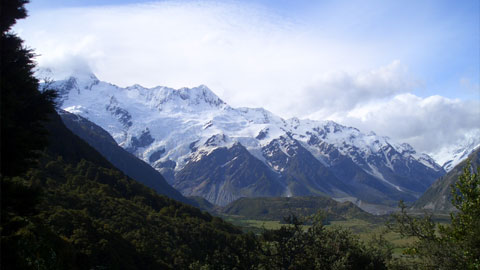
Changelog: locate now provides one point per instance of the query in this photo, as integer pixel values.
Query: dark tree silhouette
(11, 11)
(23, 107)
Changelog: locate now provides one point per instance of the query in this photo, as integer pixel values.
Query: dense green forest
(64, 206)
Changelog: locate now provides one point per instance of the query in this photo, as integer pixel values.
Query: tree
(465, 229)
(23, 108)
(11, 11)
(454, 246)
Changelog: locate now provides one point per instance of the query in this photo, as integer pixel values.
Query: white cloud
(381, 100)
(337, 93)
(251, 57)
(246, 54)
(429, 124)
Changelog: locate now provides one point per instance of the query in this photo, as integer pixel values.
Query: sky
(409, 70)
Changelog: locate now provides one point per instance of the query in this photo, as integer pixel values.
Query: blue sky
(349, 61)
(447, 33)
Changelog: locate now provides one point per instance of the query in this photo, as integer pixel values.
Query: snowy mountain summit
(450, 157)
(206, 148)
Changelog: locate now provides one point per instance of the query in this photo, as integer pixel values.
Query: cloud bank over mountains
(429, 123)
(252, 56)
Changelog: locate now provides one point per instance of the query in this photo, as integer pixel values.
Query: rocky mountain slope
(135, 168)
(206, 148)
(438, 196)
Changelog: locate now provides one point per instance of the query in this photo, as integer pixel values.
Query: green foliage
(294, 247)
(465, 229)
(446, 247)
(25, 242)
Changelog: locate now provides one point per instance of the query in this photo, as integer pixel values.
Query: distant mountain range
(204, 147)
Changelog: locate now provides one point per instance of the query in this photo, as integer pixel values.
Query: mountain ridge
(169, 128)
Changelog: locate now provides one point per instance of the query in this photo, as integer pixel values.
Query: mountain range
(204, 147)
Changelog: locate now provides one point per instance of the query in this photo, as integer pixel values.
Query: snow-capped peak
(82, 75)
(194, 99)
(450, 156)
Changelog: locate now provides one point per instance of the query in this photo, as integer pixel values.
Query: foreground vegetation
(455, 246)
(363, 230)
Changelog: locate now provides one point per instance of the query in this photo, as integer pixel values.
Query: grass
(252, 225)
(364, 230)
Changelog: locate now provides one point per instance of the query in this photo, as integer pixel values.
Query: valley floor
(365, 230)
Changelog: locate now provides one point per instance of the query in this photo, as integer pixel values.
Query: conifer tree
(23, 107)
